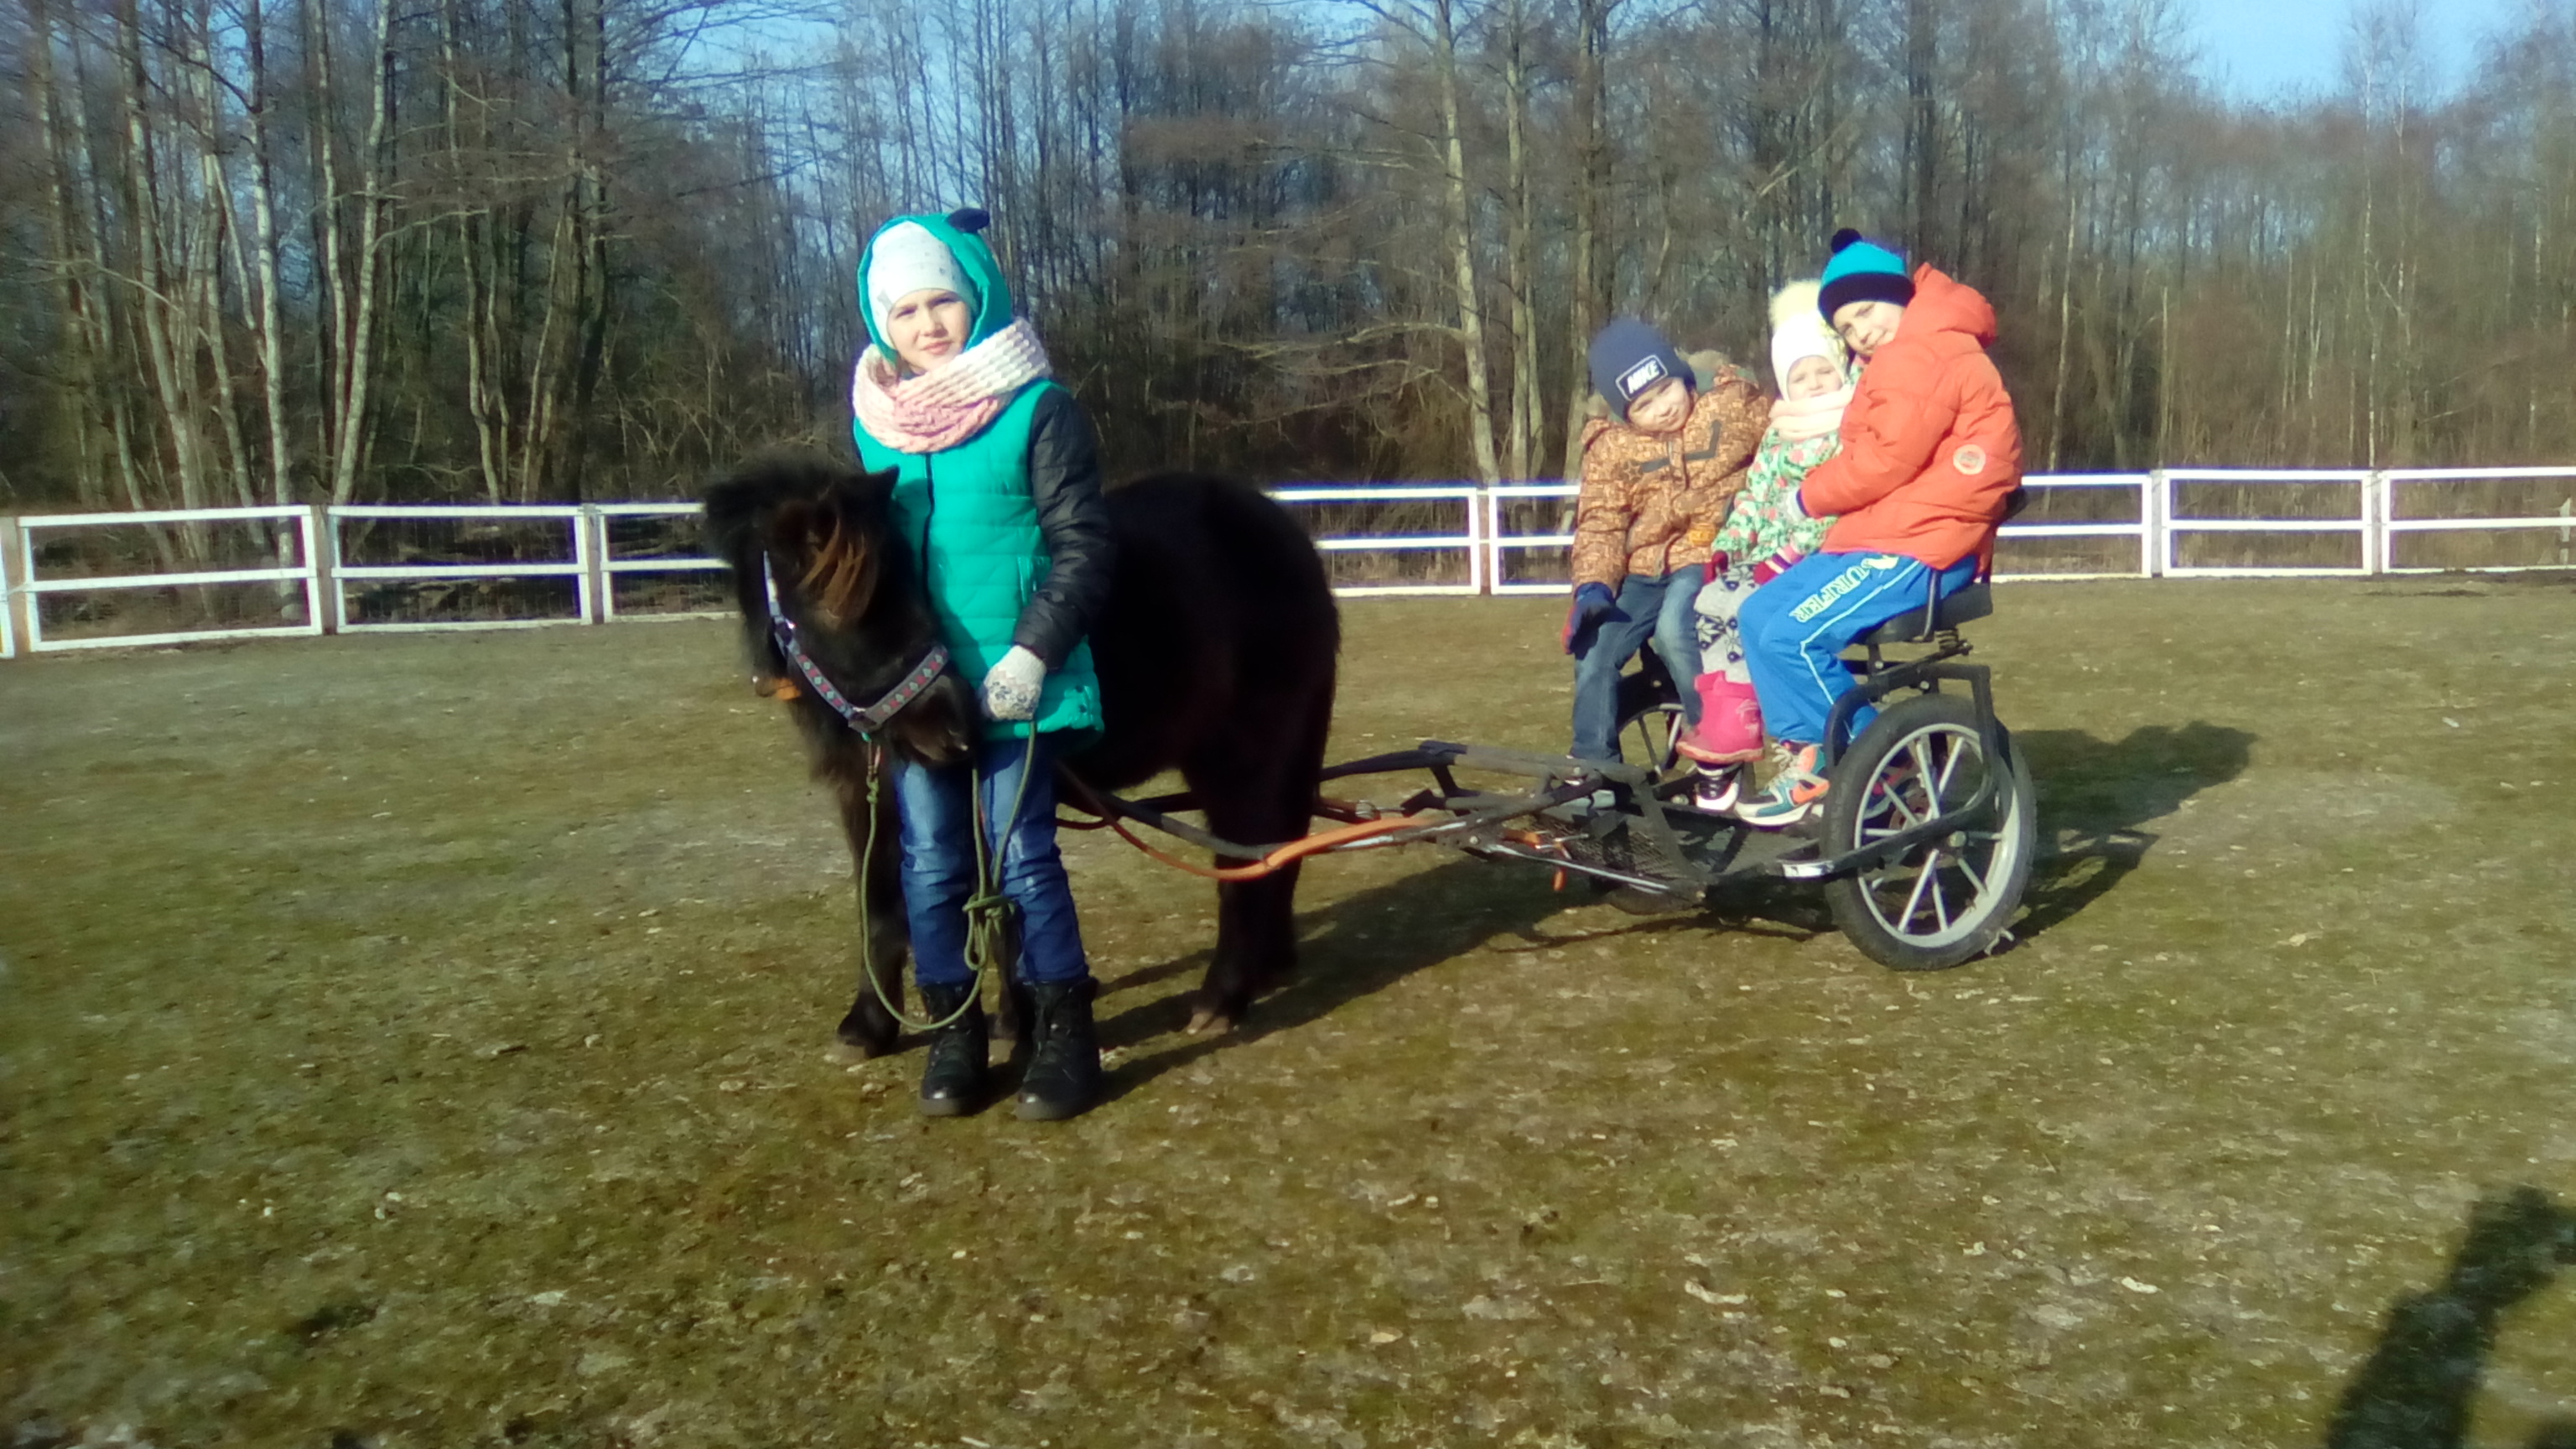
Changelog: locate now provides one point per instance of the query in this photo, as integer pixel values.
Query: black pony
(1215, 650)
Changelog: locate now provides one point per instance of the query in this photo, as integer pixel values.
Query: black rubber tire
(1883, 912)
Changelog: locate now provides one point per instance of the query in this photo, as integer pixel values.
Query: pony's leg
(870, 1029)
(1261, 795)
(1256, 942)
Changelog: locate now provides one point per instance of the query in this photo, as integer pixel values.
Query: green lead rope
(988, 911)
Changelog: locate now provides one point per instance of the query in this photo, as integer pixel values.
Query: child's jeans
(1658, 609)
(1797, 626)
(937, 808)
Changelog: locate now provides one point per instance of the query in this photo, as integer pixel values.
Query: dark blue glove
(1594, 606)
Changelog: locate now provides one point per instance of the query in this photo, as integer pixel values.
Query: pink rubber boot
(1730, 723)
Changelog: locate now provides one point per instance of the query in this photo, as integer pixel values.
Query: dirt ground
(425, 1041)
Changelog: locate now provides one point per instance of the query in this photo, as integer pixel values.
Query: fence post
(333, 615)
(2156, 509)
(2375, 510)
(590, 551)
(12, 597)
(1477, 573)
(1493, 544)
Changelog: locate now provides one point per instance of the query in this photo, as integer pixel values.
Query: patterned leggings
(1721, 641)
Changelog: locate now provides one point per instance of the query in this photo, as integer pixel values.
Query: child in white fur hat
(1764, 534)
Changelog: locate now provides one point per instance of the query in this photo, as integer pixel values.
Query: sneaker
(1717, 789)
(1792, 793)
(1885, 790)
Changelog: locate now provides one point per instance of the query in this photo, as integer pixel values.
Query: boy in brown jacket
(1658, 477)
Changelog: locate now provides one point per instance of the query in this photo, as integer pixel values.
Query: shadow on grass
(2417, 1388)
(1361, 945)
(2094, 794)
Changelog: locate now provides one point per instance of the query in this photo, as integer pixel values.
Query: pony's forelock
(839, 572)
(842, 575)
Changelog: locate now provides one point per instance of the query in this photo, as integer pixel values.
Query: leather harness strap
(863, 722)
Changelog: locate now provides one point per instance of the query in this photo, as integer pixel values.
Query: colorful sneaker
(1717, 789)
(1793, 792)
(1886, 792)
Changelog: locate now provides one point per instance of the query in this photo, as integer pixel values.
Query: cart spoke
(1896, 799)
(1970, 872)
(1941, 791)
(1940, 900)
(1893, 789)
(1902, 777)
(1914, 900)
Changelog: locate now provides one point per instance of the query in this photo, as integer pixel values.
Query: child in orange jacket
(1930, 457)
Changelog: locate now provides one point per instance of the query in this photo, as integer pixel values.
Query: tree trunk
(1590, 299)
(154, 289)
(1922, 154)
(269, 324)
(1527, 420)
(84, 339)
(1462, 246)
(360, 347)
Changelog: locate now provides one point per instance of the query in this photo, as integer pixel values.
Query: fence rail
(1432, 538)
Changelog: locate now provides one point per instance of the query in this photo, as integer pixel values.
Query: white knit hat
(1799, 330)
(907, 258)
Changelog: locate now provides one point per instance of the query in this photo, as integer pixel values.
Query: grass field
(424, 1041)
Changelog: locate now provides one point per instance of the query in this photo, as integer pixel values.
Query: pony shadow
(2094, 795)
(1360, 945)
(2418, 1386)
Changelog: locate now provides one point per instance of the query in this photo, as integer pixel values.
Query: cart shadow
(2419, 1386)
(2094, 795)
(1358, 946)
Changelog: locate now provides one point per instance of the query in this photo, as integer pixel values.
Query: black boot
(952, 1082)
(1063, 1079)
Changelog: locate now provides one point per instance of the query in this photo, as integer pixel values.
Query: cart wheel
(1950, 898)
(1650, 724)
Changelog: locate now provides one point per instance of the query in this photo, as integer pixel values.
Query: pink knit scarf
(938, 410)
(1811, 417)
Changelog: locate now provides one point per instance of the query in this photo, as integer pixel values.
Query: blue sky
(2259, 48)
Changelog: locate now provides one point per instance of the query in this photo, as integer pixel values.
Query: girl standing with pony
(997, 496)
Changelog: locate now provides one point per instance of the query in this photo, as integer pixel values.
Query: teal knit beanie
(1863, 271)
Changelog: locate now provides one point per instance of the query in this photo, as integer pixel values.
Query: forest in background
(261, 251)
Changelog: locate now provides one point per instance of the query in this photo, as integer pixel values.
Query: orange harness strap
(1285, 856)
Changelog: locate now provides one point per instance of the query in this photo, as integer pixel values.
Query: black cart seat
(1916, 625)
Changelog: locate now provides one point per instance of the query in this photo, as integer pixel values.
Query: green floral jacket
(1766, 518)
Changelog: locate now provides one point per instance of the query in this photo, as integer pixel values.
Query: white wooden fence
(1468, 545)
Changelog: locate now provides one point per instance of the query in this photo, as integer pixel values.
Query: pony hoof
(1209, 1021)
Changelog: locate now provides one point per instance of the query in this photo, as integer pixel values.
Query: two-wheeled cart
(1923, 845)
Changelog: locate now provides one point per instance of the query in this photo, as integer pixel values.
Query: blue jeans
(1796, 627)
(1658, 610)
(937, 811)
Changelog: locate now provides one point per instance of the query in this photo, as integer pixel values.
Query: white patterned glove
(1011, 686)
